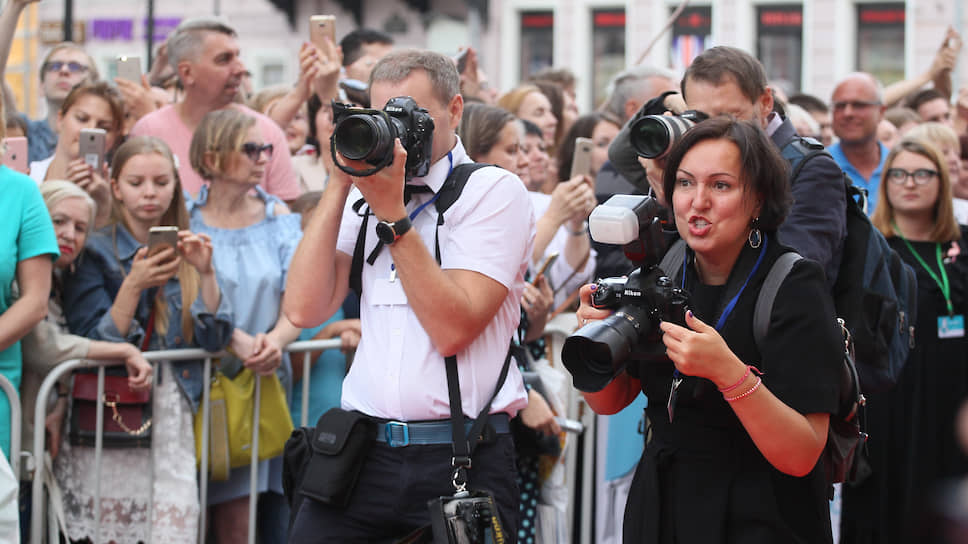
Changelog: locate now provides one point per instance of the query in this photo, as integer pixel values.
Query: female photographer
(913, 447)
(732, 451)
(166, 300)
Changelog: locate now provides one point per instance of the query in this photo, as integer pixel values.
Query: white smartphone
(129, 68)
(160, 238)
(15, 157)
(92, 146)
(321, 27)
(581, 159)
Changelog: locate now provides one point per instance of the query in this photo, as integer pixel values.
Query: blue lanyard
(450, 159)
(732, 303)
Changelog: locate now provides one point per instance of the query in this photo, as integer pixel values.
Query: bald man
(858, 107)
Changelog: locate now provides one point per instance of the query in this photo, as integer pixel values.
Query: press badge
(951, 326)
(388, 293)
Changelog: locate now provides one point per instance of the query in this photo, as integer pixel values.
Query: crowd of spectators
(240, 173)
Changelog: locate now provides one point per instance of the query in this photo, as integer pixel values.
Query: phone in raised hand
(161, 238)
(581, 161)
(320, 28)
(129, 68)
(92, 146)
(549, 260)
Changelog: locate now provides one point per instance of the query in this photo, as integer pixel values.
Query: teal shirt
(856, 178)
(25, 233)
(325, 379)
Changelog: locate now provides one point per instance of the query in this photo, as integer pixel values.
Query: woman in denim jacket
(111, 296)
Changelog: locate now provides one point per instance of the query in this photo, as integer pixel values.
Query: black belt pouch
(339, 444)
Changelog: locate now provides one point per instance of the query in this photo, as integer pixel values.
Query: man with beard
(204, 53)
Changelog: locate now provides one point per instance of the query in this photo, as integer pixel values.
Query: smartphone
(15, 157)
(92, 146)
(461, 60)
(549, 260)
(581, 159)
(321, 27)
(160, 238)
(129, 68)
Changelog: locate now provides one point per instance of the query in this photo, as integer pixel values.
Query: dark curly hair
(764, 170)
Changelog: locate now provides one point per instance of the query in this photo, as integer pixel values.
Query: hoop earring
(755, 237)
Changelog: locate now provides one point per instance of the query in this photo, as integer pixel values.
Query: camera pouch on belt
(466, 517)
(339, 444)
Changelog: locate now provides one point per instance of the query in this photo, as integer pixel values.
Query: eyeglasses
(72, 67)
(921, 176)
(254, 150)
(856, 104)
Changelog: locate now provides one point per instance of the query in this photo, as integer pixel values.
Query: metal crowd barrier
(557, 330)
(14, 399)
(37, 510)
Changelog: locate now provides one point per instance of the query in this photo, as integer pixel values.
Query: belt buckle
(393, 442)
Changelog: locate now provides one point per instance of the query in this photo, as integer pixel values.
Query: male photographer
(729, 81)
(414, 312)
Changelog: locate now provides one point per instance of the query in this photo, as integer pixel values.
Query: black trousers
(390, 499)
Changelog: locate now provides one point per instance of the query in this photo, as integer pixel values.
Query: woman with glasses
(912, 447)
(254, 236)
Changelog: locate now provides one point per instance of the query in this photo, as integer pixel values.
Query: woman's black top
(701, 479)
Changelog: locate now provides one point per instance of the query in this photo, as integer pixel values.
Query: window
(537, 41)
(691, 35)
(779, 43)
(880, 40)
(608, 48)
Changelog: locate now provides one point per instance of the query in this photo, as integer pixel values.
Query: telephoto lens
(653, 136)
(599, 351)
(365, 137)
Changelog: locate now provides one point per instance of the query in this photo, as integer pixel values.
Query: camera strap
(464, 445)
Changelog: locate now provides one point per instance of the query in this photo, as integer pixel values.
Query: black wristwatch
(389, 231)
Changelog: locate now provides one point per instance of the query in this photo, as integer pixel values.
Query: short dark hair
(924, 96)
(531, 129)
(809, 102)
(766, 172)
(353, 43)
(715, 64)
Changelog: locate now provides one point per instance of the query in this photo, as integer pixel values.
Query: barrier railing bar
(304, 414)
(98, 445)
(203, 472)
(13, 398)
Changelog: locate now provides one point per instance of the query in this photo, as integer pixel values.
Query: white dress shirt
(397, 373)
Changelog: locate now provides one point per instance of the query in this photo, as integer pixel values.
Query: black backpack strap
(764, 300)
(449, 192)
(798, 151)
(672, 260)
(356, 269)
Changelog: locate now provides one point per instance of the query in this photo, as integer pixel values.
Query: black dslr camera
(599, 351)
(652, 136)
(368, 135)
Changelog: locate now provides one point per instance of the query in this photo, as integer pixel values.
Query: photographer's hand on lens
(700, 351)
(383, 191)
(654, 171)
(586, 312)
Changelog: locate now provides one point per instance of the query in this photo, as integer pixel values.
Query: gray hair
(56, 191)
(186, 41)
(398, 65)
(629, 83)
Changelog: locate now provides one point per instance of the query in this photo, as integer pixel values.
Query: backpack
(875, 292)
(845, 438)
(449, 192)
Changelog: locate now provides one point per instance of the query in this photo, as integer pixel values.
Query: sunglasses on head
(72, 67)
(254, 150)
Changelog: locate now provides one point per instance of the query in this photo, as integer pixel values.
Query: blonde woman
(168, 300)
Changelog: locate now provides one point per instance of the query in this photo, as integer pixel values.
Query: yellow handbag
(230, 433)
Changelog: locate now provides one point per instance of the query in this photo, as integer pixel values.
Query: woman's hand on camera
(586, 312)
(152, 271)
(196, 249)
(700, 351)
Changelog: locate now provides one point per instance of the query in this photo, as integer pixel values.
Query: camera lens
(597, 352)
(653, 136)
(363, 137)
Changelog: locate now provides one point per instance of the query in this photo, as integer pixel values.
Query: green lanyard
(943, 282)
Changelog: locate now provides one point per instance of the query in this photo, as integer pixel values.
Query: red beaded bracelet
(743, 379)
(759, 381)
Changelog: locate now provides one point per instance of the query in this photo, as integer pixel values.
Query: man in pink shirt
(205, 54)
